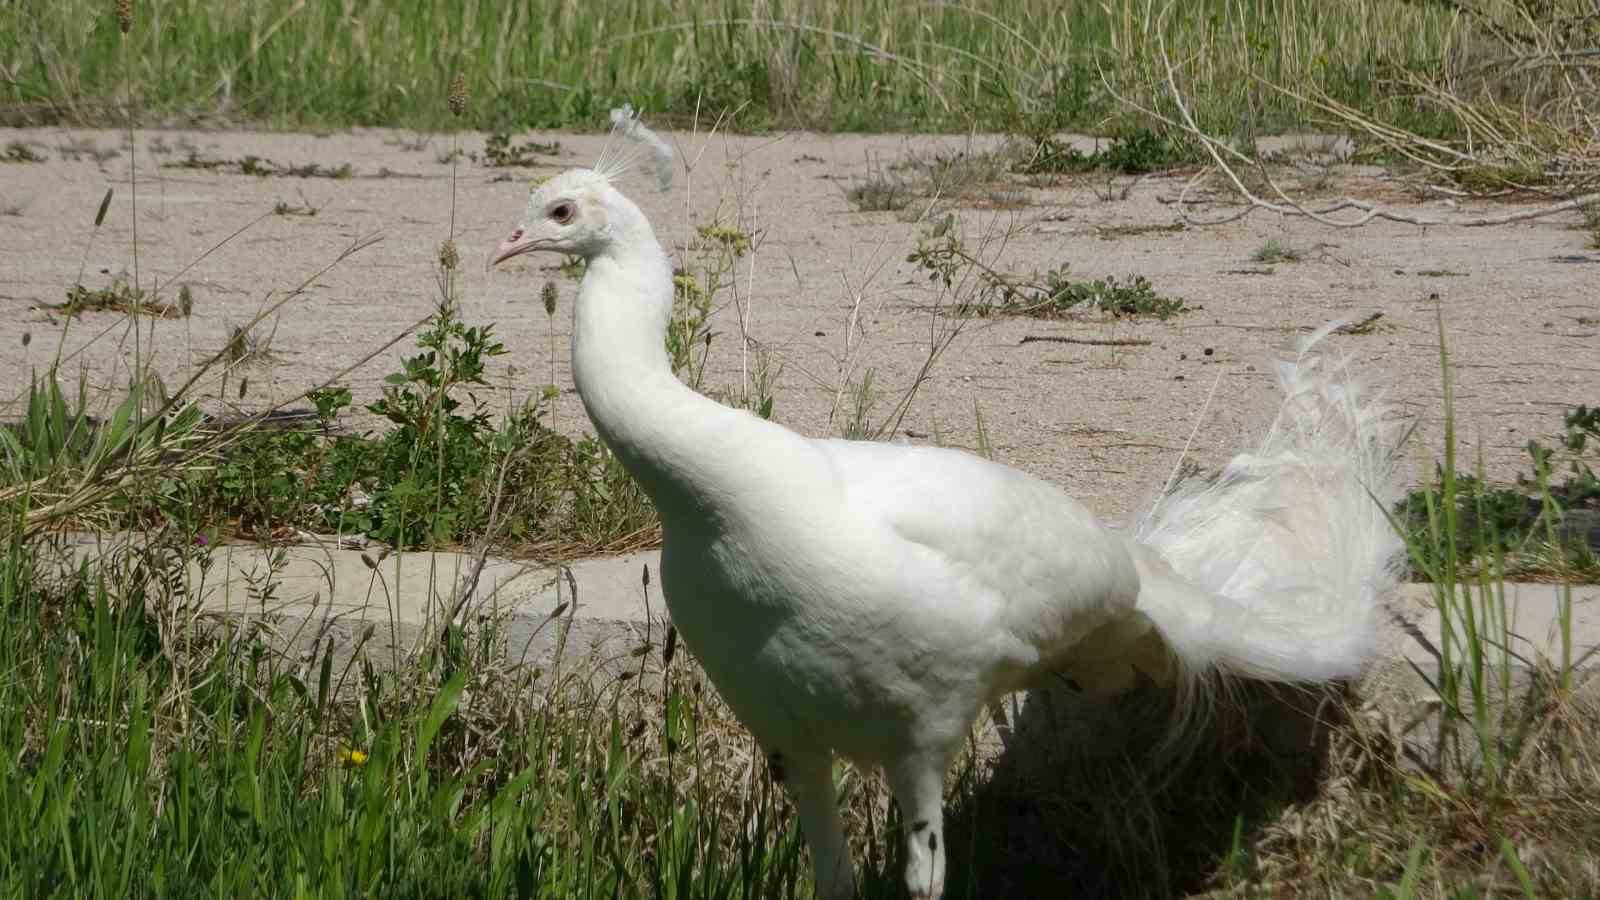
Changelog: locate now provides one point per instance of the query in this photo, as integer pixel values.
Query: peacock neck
(672, 440)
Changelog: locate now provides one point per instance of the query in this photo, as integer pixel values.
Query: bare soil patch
(1105, 416)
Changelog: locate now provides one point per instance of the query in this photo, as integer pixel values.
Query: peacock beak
(515, 245)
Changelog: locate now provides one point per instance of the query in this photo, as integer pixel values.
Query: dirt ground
(1521, 303)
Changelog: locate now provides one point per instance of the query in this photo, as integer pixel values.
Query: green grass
(149, 751)
(857, 65)
(146, 756)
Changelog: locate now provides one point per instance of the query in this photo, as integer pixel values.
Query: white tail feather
(1278, 568)
(638, 146)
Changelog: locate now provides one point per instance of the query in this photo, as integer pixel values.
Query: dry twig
(1281, 203)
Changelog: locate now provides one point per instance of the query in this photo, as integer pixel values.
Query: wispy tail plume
(1280, 565)
(631, 145)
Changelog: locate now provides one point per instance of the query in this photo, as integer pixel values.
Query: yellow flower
(351, 757)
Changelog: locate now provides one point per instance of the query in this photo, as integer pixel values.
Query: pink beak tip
(507, 249)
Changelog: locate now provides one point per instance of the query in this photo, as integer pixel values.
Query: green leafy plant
(261, 167)
(1276, 251)
(881, 193)
(1140, 151)
(1056, 294)
(500, 151)
(1539, 524)
(438, 448)
(433, 475)
(694, 292)
(1135, 152)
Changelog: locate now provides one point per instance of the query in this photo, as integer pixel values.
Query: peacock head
(580, 210)
(565, 214)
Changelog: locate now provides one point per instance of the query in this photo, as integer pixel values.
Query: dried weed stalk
(1529, 119)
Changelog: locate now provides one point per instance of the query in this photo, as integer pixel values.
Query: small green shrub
(434, 476)
(1591, 223)
(20, 152)
(1276, 251)
(696, 287)
(1538, 524)
(1058, 295)
(881, 193)
(499, 151)
(261, 167)
(1048, 156)
(1140, 151)
(1135, 152)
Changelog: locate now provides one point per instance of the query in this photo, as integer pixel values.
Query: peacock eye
(561, 213)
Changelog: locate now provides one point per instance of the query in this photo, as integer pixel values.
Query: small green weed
(1046, 155)
(1370, 324)
(1491, 179)
(1591, 224)
(963, 173)
(982, 178)
(941, 254)
(118, 296)
(1276, 251)
(727, 239)
(1135, 152)
(74, 150)
(261, 167)
(1058, 295)
(308, 170)
(717, 249)
(1113, 232)
(689, 334)
(881, 193)
(304, 208)
(20, 152)
(863, 396)
(573, 266)
(1140, 151)
(246, 347)
(499, 151)
(1535, 527)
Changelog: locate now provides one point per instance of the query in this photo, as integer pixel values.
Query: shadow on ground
(1081, 805)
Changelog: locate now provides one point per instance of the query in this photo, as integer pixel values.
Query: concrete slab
(304, 595)
(594, 615)
(1531, 613)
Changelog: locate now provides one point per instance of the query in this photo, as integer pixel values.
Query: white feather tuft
(631, 145)
(1289, 547)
